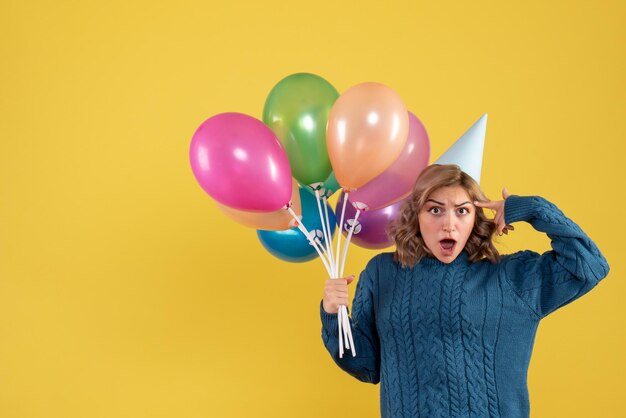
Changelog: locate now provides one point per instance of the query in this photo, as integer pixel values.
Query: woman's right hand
(336, 294)
(498, 207)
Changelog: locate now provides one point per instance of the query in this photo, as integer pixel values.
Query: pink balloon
(240, 163)
(397, 181)
(371, 229)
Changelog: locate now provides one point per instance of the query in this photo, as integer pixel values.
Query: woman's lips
(447, 246)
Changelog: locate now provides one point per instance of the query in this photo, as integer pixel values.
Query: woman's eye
(434, 211)
(463, 211)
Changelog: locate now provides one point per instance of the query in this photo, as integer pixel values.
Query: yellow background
(124, 292)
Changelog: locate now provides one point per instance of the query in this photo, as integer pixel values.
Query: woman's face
(446, 221)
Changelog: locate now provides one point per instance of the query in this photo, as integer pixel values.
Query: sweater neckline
(461, 259)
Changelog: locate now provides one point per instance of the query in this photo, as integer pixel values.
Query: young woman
(446, 324)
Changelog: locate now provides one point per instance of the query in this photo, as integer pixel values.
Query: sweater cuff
(519, 208)
(329, 321)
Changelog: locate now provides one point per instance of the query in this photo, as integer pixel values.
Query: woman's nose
(448, 223)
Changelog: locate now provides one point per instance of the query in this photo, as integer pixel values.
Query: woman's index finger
(488, 204)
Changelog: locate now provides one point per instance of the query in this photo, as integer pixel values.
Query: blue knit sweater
(455, 340)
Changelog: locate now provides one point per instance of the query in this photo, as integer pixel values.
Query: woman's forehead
(454, 195)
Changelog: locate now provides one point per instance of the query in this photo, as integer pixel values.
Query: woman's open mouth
(447, 246)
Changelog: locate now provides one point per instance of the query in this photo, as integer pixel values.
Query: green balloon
(297, 111)
(327, 188)
(331, 185)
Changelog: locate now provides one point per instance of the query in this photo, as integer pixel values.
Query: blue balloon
(291, 245)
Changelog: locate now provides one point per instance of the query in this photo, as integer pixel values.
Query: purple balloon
(240, 163)
(370, 231)
(397, 181)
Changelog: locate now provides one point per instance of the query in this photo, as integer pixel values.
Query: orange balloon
(279, 220)
(367, 129)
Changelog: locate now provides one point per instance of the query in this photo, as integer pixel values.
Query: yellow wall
(124, 292)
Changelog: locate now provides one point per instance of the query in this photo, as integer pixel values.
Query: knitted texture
(455, 340)
(430, 349)
(452, 347)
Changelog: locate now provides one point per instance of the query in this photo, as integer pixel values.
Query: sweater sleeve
(366, 365)
(555, 278)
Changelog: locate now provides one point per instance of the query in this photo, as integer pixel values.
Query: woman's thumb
(350, 279)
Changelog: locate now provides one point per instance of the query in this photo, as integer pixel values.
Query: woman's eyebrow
(439, 203)
(443, 204)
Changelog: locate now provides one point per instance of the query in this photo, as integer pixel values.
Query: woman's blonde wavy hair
(405, 231)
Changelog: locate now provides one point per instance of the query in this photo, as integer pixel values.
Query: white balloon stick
(317, 244)
(340, 327)
(326, 237)
(343, 211)
(346, 325)
(345, 250)
(349, 329)
(343, 321)
(306, 233)
(330, 234)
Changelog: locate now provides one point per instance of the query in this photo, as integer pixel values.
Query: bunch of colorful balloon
(364, 141)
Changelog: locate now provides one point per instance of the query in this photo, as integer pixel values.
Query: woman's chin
(446, 259)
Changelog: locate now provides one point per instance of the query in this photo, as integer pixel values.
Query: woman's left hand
(498, 207)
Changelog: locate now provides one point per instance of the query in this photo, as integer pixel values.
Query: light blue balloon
(291, 245)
